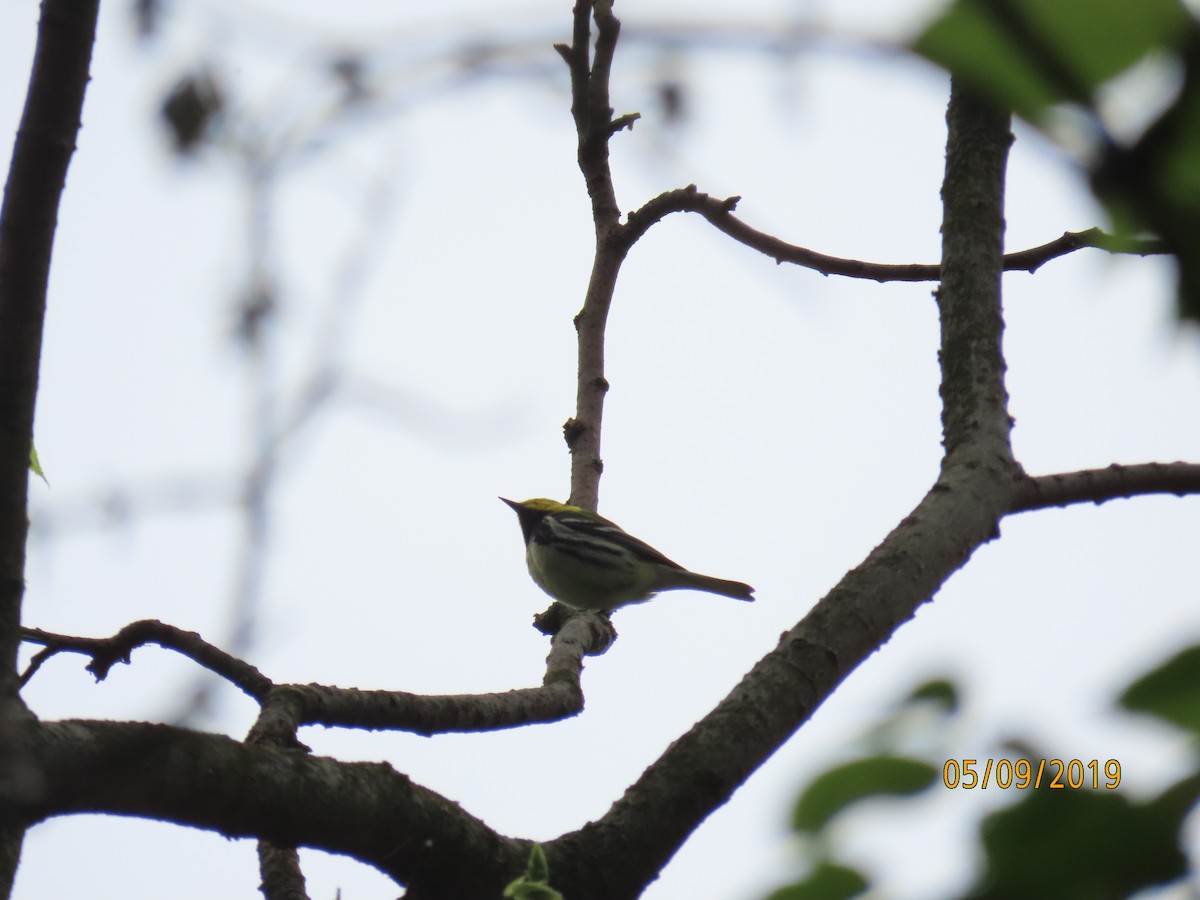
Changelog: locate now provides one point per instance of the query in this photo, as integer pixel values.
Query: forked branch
(295, 705)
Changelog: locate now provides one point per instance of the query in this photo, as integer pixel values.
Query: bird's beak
(515, 506)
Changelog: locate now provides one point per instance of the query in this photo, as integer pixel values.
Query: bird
(584, 561)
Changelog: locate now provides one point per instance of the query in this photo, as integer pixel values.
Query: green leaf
(1177, 802)
(834, 790)
(1034, 55)
(535, 883)
(538, 869)
(1171, 692)
(969, 43)
(35, 466)
(1079, 845)
(828, 881)
(940, 691)
(1100, 39)
(1031, 54)
(1155, 183)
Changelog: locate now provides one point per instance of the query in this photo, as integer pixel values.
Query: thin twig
(719, 213)
(594, 126)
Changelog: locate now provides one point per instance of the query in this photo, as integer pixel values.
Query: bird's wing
(601, 527)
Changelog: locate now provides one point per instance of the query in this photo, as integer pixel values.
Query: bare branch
(1032, 259)
(107, 652)
(561, 696)
(719, 213)
(594, 126)
(287, 707)
(44, 145)
(37, 173)
(278, 864)
(42, 151)
(1110, 483)
(279, 868)
(367, 811)
(975, 418)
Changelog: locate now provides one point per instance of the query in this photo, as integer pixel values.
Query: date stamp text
(1074, 774)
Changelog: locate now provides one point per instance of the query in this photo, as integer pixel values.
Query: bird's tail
(735, 589)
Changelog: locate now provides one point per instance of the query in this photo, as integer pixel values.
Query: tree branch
(28, 218)
(975, 417)
(1110, 483)
(287, 707)
(279, 868)
(41, 154)
(1035, 257)
(367, 811)
(107, 652)
(719, 213)
(278, 864)
(594, 125)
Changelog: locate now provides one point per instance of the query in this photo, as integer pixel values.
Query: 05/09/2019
(969, 774)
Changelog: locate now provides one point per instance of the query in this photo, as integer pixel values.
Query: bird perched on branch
(585, 561)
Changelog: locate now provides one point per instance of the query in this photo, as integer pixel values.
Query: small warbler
(587, 562)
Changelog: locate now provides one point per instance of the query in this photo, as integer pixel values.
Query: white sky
(765, 423)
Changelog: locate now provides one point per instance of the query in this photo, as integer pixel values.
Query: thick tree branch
(365, 810)
(18, 777)
(36, 176)
(975, 415)
(43, 148)
(719, 213)
(1110, 483)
